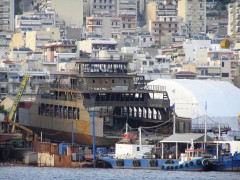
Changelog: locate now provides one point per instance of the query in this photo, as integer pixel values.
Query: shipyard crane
(17, 99)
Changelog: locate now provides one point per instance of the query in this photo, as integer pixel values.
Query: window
(222, 64)
(138, 148)
(225, 74)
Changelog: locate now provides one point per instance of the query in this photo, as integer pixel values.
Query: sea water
(46, 173)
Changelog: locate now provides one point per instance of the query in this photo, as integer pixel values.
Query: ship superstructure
(102, 88)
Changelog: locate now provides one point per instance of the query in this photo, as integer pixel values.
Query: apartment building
(3, 80)
(36, 40)
(5, 38)
(19, 55)
(104, 27)
(7, 15)
(220, 65)
(193, 14)
(71, 12)
(103, 8)
(60, 50)
(18, 40)
(192, 45)
(127, 10)
(97, 47)
(35, 21)
(164, 22)
(234, 19)
(144, 40)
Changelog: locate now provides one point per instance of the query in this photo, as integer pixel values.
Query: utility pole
(93, 140)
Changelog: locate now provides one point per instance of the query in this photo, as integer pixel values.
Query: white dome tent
(219, 100)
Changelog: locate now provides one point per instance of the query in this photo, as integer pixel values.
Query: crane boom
(17, 100)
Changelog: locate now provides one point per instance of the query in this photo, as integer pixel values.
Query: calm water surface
(45, 173)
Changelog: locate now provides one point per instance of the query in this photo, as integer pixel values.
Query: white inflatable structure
(219, 100)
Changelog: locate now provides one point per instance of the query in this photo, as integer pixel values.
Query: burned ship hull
(99, 90)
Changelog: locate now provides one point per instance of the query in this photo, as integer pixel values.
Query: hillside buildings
(193, 14)
(234, 19)
(7, 15)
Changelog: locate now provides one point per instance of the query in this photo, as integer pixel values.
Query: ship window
(138, 148)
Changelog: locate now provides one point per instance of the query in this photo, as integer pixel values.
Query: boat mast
(126, 128)
(205, 124)
(140, 135)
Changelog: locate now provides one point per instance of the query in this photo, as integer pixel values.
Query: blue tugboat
(129, 154)
(227, 156)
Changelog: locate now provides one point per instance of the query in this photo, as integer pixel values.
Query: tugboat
(129, 154)
(227, 156)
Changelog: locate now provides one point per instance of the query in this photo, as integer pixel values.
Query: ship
(100, 90)
(135, 153)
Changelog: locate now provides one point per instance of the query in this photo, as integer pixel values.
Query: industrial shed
(218, 100)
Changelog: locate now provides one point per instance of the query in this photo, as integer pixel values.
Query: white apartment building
(219, 64)
(194, 44)
(35, 21)
(96, 46)
(234, 19)
(193, 14)
(144, 40)
(7, 15)
(11, 76)
(104, 27)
